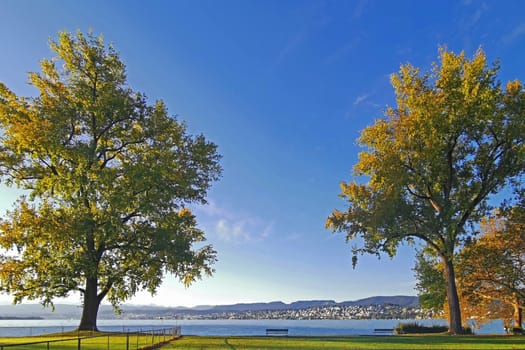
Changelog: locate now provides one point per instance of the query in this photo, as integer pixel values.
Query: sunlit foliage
(492, 270)
(108, 176)
(432, 162)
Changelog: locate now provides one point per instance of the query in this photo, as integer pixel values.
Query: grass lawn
(69, 341)
(365, 342)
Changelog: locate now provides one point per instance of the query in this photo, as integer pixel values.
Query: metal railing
(143, 339)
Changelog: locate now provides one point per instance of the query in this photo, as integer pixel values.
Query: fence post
(79, 346)
(127, 341)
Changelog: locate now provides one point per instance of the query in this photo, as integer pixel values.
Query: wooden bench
(276, 331)
(383, 331)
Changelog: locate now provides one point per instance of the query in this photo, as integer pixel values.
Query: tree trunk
(518, 316)
(454, 310)
(88, 322)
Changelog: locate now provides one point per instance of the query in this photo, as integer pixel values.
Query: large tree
(432, 162)
(109, 178)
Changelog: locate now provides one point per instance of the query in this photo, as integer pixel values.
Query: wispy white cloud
(471, 22)
(360, 99)
(479, 8)
(313, 18)
(366, 100)
(242, 231)
(213, 210)
(231, 232)
(290, 46)
(232, 227)
(516, 33)
(360, 102)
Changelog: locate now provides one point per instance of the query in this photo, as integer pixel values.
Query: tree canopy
(432, 162)
(430, 282)
(109, 179)
(490, 272)
(492, 269)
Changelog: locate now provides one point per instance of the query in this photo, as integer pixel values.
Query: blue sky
(284, 88)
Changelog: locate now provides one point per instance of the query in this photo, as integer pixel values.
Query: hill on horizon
(68, 311)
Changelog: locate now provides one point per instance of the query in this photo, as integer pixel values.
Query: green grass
(365, 342)
(118, 341)
(69, 341)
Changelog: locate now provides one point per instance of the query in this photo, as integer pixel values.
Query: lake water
(224, 327)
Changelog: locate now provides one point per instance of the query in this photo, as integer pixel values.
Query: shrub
(414, 327)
